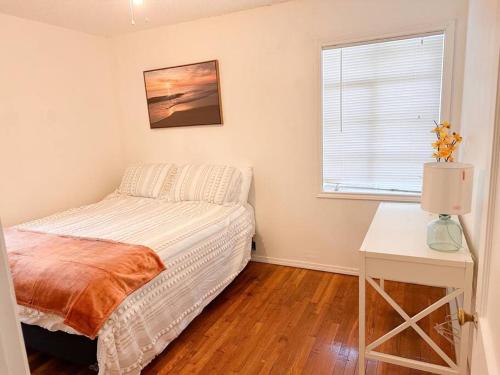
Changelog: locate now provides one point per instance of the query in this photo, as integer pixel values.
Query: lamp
(446, 190)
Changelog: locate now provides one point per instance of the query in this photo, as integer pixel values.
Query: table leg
(465, 330)
(361, 318)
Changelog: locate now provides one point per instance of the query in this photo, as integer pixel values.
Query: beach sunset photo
(183, 95)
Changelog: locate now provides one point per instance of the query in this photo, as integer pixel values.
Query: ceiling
(112, 17)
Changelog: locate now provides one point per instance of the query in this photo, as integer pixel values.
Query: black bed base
(72, 348)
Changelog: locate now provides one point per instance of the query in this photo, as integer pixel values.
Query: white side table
(395, 249)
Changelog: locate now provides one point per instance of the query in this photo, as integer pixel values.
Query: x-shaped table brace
(412, 322)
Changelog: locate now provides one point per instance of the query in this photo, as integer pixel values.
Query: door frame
(492, 221)
(13, 359)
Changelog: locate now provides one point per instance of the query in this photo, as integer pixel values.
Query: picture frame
(184, 95)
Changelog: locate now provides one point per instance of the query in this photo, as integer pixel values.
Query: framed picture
(184, 95)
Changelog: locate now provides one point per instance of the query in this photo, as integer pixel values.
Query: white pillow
(148, 180)
(246, 182)
(217, 184)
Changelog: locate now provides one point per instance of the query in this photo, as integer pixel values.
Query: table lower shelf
(411, 363)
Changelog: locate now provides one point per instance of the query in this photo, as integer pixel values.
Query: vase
(444, 234)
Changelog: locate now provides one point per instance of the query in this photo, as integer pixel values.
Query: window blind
(379, 103)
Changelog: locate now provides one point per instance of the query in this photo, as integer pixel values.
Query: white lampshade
(447, 188)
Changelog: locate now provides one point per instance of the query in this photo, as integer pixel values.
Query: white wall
(269, 71)
(478, 119)
(59, 141)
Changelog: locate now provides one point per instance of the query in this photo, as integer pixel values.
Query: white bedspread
(204, 247)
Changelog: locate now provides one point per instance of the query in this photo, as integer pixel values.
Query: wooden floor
(283, 320)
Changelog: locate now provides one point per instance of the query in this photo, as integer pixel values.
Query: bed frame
(72, 348)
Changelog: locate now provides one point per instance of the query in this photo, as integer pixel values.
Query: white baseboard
(306, 265)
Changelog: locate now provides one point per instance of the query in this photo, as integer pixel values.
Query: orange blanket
(81, 280)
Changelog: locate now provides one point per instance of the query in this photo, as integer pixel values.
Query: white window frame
(446, 98)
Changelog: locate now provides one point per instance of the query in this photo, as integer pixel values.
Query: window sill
(370, 197)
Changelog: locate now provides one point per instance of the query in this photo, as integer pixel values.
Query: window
(379, 103)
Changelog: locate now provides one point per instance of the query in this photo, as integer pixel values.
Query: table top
(399, 231)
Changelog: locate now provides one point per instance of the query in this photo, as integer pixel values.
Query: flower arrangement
(446, 143)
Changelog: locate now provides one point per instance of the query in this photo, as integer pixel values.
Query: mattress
(204, 246)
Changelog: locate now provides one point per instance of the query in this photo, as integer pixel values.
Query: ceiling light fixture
(133, 3)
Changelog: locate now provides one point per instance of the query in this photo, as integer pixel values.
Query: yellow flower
(446, 143)
(443, 136)
(457, 137)
(441, 142)
(444, 153)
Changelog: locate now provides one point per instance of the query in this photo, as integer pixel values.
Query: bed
(204, 242)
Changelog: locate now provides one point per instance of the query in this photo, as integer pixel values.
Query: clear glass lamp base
(444, 234)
